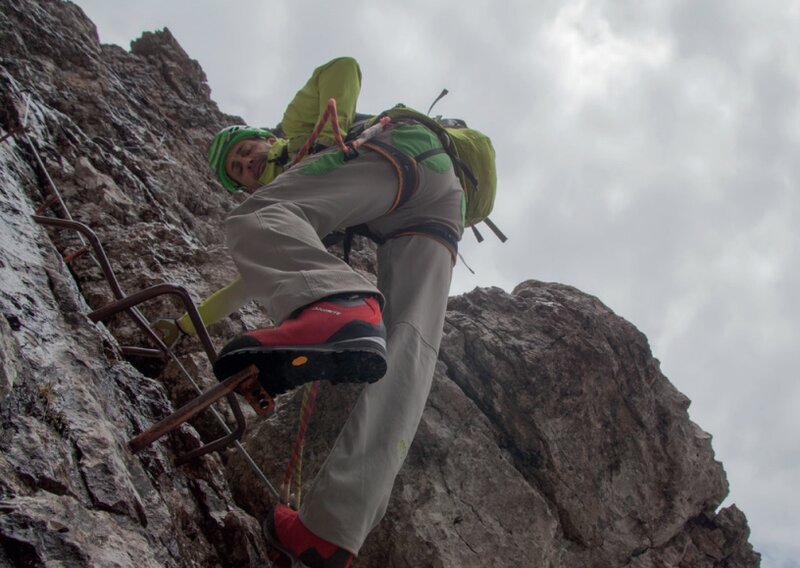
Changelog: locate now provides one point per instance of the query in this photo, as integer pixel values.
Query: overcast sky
(648, 154)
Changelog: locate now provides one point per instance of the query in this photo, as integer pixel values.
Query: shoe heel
(365, 366)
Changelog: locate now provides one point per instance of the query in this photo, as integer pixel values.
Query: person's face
(247, 160)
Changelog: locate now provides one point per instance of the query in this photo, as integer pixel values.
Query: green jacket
(339, 79)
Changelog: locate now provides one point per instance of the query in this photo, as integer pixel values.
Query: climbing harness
(405, 167)
(408, 182)
(295, 466)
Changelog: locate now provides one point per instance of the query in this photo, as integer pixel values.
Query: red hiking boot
(340, 339)
(286, 533)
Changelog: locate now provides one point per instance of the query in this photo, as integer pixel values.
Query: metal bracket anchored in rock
(245, 383)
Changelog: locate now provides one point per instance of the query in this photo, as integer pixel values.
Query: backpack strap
(458, 164)
(473, 180)
(428, 153)
(496, 230)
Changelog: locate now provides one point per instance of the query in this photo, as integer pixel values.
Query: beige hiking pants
(274, 238)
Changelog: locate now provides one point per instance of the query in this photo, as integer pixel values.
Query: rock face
(551, 438)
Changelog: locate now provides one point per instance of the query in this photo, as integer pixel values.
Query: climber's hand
(169, 330)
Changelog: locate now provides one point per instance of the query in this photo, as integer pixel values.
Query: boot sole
(284, 368)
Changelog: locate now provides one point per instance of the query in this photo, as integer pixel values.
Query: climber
(339, 79)
(335, 323)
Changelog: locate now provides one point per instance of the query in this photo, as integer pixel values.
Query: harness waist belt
(441, 233)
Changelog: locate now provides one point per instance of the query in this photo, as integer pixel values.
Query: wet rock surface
(551, 437)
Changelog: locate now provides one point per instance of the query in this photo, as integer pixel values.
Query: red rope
(307, 409)
(329, 114)
(312, 389)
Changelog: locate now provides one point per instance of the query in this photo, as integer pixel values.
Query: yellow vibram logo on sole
(299, 361)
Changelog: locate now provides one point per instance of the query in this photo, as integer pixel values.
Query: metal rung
(127, 304)
(237, 382)
(142, 352)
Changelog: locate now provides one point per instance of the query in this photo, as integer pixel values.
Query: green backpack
(473, 158)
